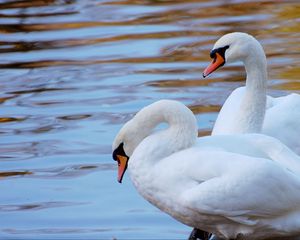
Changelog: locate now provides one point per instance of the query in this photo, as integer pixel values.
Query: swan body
(248, 109)
(209, 183)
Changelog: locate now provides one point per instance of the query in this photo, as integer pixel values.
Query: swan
(249, 192)
(248, 109)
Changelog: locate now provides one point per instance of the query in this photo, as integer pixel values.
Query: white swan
(245, 109)
(209, 183)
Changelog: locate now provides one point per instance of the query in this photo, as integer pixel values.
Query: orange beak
(218, 61)
(122, 166)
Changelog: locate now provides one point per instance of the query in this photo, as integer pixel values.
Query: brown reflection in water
(203, 133)
(36, 206)
(14, 174)
(197, 109)
(39, 90)
(180, 83)
(66, 43)
(75, 117)
(4, 99)
(48, 63)
(291, 14)
(292, 73)
(11, 28)
(153, 2)
(171, 83)
(52, 102)
(12, 119)
(289, 86)
(27, 4)
(169, 15)
(28, 15)
(28, 150)
(185, 12)
(23, 4)
(71, 171)
(45, 129)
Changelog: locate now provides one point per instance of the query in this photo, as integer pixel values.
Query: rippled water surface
(72, 72)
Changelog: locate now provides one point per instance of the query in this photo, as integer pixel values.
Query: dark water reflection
(72, 72)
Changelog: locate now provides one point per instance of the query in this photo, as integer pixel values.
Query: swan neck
(181, 132)
(253, 106)
(256, 70)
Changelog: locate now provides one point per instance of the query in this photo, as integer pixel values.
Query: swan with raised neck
(248, 109)
(243, 47)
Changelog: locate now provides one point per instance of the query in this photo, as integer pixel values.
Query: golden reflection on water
(10, 119)
(72, 72)
(14, 174)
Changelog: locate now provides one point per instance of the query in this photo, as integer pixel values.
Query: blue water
(73, 72)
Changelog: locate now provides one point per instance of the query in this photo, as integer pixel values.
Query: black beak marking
(221, 51)
(119, 151)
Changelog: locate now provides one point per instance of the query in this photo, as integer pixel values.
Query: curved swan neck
(253, 106)
(256, 69)
(181, 133)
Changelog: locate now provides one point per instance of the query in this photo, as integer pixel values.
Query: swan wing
(244, 189)
(274, 149)
(228, 112)
(282, 120)
(254, 145)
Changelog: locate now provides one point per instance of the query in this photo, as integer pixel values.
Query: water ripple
(36, 206)
(73, 72)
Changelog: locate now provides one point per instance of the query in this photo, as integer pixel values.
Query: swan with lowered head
(248, 109)
(208, 183)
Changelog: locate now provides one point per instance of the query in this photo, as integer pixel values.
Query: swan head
(232, 47)
(123, 147)
(121, 157)
(180, 120)
(129, 137)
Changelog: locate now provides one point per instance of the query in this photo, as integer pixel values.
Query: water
(72, 72)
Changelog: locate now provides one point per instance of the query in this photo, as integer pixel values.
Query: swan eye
(220, 50)
(213, 53)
